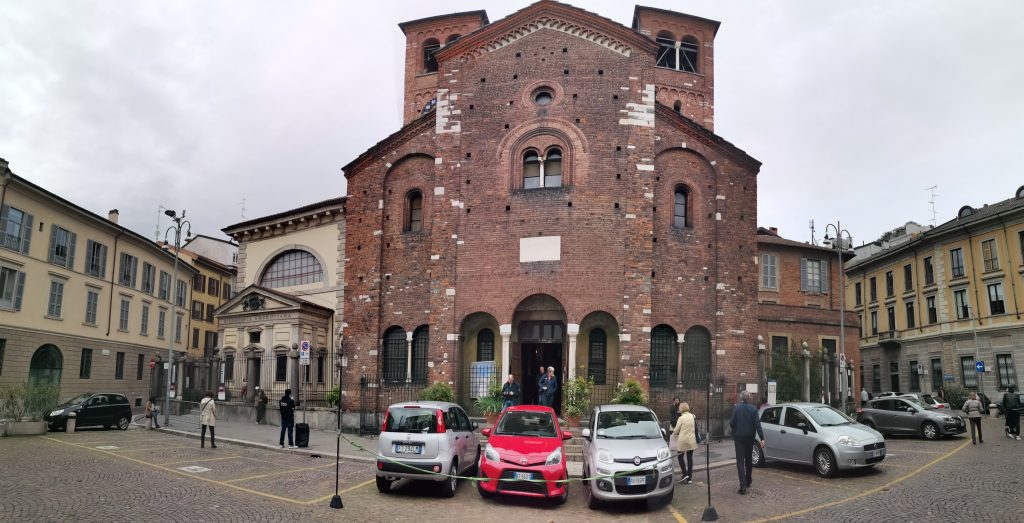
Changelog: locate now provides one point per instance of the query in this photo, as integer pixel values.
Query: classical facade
(289, 288)
(84, 303)
(935, 306)
(557, 197)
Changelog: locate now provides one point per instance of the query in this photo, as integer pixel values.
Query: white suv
(426, 440)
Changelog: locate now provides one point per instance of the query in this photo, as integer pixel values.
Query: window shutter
(803, 274)
(19, 291)
(824, 276)
(53, 243)
(90, 253)
(103, 261)
(26, 233)
(3, 224)
(134, 265)
(71, 251)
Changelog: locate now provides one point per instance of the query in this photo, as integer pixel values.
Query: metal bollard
(71, 423)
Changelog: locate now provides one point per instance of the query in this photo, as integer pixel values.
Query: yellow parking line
(329, 496)
(675, 513)
(197, 460)
(898, 450)
(153, 448)
(306, 469)
(867, 492)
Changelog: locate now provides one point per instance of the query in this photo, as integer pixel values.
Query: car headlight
(603, 456)
(57, 412)
(949, 419)
(604, 472)
(490, 454)
(555, 457)
(664, 454)
(848, 441)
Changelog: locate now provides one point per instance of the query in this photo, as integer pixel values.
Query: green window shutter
(53, 243)
(803, 274)
(71, 251)
(26, 233)
(103, 261)
(19, 291)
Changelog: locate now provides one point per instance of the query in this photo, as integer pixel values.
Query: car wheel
(593, 503)
(824, 462)
(383, 484)
(124, 422)
(929, 430)
(757, 456)
(452, 481)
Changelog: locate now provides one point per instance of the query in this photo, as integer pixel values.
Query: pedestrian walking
(864, 397)
(685, 432)
(745, 426)
(1011, 406)
(510, 392)
(548, 387)
(287, 406)
(673, 413)
(973, 409)
(207, 418)
(261, 407)
(152, 414)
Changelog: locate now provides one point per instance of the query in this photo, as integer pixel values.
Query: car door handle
(782, 431)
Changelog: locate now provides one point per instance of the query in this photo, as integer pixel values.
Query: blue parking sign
(980, 365)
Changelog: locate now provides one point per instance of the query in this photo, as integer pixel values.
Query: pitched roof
(333, 202)
(480, 13)
(767, 237)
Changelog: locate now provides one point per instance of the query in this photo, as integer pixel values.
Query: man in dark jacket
(287, 406)
(540, 377)
(745, 424)
(510, 392)
(1011, 407)
(548, 387)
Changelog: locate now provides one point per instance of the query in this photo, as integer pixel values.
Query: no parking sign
(304, 352)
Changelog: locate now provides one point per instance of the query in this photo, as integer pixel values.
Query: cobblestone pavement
(98, 475)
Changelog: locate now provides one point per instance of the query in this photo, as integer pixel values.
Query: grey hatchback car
(426, 440)
(906, 415)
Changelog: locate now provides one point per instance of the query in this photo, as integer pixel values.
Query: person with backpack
(287, 406)
(207, 418)
(1011, 406)
(973, 409)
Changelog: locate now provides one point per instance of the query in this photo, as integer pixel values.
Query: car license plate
(522, 475)
(636, 480)
(408, 449)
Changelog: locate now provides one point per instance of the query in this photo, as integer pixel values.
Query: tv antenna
(932, 202)
(159, 212)
(242, 203)
(811, 225)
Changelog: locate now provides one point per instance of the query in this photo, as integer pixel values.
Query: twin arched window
(290, 268)
(413, 212)
(398, 365)
(680, 208)
(681, 55)
(543, 171)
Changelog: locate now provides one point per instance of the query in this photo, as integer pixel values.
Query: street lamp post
(839, 231)
(172, 293)
(338, 364)
(972, 315)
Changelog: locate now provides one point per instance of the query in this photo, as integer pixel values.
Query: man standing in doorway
(287, 406)
(510, 392)
(745, 425)
(541, 374)
(548, 387)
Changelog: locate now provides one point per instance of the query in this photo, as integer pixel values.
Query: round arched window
(543, 97)
(292, 268)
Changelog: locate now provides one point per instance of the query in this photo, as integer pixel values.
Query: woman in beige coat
(686, 440)
(207, 418)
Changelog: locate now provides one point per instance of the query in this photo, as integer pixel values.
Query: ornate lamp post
(339, 366)
(179, 222)
(838, 245)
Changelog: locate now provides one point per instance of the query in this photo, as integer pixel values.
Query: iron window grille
(696, 358)
(597, 356)
(968, 372)
(394, 355)
(291, 268)
(485, 345)
(1007, 374)
(664, 354)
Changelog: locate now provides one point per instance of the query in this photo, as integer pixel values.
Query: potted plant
(491, 404)
(23, 406)
(438, 392)
(577, 399)
(630, 393)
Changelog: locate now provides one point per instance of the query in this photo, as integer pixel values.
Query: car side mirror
(486, 432)
(802, 426)
(566, 435)
(476, 425)
(585, 433)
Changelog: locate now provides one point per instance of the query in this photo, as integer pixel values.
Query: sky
(237, 109)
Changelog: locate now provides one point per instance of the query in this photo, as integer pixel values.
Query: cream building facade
(84, 303)
(933, 307)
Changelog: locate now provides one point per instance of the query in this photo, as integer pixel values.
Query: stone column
(573, 330)
(806, 374)
(179, 362)
(506, 358)
(680, 343)
(250, 375)
(762, 365)
(408, 357)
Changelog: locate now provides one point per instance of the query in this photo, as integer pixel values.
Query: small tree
(955, 395)
(577, 396)
(630, 393)
(437, 392)
(32, 401)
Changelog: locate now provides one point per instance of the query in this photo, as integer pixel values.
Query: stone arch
(46, 366)
(696, 358)
(532, 133)
(587, 345)
(475, 377)
(679, 167)
(663, 356)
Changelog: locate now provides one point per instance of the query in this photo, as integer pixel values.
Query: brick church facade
(557, 196)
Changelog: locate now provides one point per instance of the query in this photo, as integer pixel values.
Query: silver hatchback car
(427, 440)
(625, 455)
(819, 435)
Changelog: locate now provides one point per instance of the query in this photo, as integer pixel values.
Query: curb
(265, 446)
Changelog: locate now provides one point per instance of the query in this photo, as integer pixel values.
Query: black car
(91, 410)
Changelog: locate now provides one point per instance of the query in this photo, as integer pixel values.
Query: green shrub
(577, 396)
(27, 401)
(955, 395)
(332, 396)
(438, 392)
(630, 393)
(492, 402)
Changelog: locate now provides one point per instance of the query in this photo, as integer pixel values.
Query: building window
(873, 290)
(891, 313)
(968, 372)
(85, 366)
(1020, 240)
(281, 368)
(937, 374)
(679, 212)
(3, 347)
(177, 328)
(889, 291)
(990, 255)
(12, 285)
(908, 278)
(62, 247)
(229, 367)
(430, 47)
(122, 323)
(292, 268)
(933, 313)
(769, 271)
(664, 354)
(957, 258)
(420, 348)
(254, 337)
(148, 278)
(915, 378)
(860, 322)
(129, 264)
(688, 52)
(144, 327)
(876, 378)
(199, 283)
(182, 294)
(160, 323)
(214, 287)
(197, 310)
(95, 259)
(394, 359)
(165, 286)
(666, 50)
(485, 345)
(542, 172)
(929, 271)
(681, 56)
(960, 302)
(911, 321)
(140, 365)
(597, 357)
(92, 299)
(209, 313)
(414, 212)
(15, 229)
(696, 358)
(857, 297)
(119, 366)
(1007, 374)
(995, 299)
(780, 346)
(874, 323)
(812, 276)
(894, 376)
(53, 307)
(678, 107)
(226, 289)
(209, 340)
(321, 362)
(195, 338)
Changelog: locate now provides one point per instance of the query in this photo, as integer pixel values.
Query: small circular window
(543, 97)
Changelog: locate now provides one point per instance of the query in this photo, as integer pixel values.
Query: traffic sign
(152, 363)
(980, 365)
(304, 352)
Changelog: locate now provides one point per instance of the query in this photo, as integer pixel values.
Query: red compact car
(524, 455)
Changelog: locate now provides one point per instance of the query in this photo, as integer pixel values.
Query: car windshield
(919, 404)
(628, 425)
(526, 423)
(79, 399)
(411, 419)
(827, 416)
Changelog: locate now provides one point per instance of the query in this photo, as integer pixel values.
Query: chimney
(112, 216)
(774, 230)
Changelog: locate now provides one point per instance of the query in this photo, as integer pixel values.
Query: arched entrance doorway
(538, 327)
(45, 368)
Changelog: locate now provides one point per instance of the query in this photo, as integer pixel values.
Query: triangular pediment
(256, 299)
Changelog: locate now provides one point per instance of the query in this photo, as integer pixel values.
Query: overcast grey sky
(855, 108)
